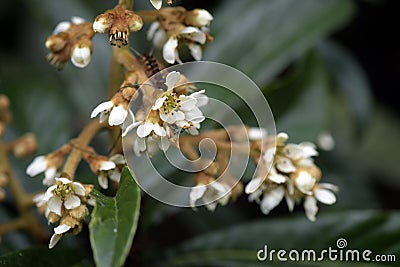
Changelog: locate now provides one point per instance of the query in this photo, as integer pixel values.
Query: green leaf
(238, 245)
(307, 116)
(262, 37)
(57, 257)
(350, 77)
(114, 222)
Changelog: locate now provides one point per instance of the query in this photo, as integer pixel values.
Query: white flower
(116, 114)
(58, 232)
(300, 151)
(305, 182)
(81, 56)
(156, 3)
(108, 169)
(39, 165)
(271, 199)
(193, 37)
(210, 194)
(64, 193)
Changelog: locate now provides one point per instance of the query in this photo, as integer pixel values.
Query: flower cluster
(64, 201)
(172, 112)
(293, 175)
(71, 40)
(177, 26)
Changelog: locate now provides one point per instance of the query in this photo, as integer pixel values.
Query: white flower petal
(156, 3)
(81, 56)
(187, 103)
(160, 38)
(325, 196)
(311, 208)
(285, 165)
(107, 165)
(118, 159)
(159, 102)
(105, 106)
(201, 98)
(62, 229)
(54, 204)
(145, 129)
(269, 155)
(115, 176)
(38, 165)
(196, 193)
(49, 192)
(277, 178)
(329, 186)
(196, 51)
(78, 188)
(117, 116)
(203, 17)
(103, 181)
(193, 34)
(54, 240)
(257, 133)
(130, 127)
(152, 30)
(281, 138)
(164, 143)
(253, 185)
(172, 79)
(62, 27)
(72, 202)
(158, 130)
(289, 202)
(77, 20)
(272, 199)
(169, 50)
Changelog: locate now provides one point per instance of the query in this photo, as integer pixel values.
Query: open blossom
(64, 193)
(193, 37)
(41, 164)
(169, 114)
(293, 176)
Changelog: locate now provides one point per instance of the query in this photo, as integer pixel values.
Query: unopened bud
(198, 18)
(135, 22)
(52, 217)
(81, 54)
(103, 22)
(25, 146)
(56, 43)
(79, 213)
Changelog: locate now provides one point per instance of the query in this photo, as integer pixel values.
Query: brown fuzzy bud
(25, 146)
(56, 43)
(4, 102)
(52, 217)
(79, 213)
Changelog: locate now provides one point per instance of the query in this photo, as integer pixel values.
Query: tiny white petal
(285, 165)
(152, 30)
(169, 50)
(49, 192)
(164, 143)
(201, 98)
(289, 202)
(77, 20)
(253, 185)
(281, 138)
(117, 116)
(272, 199)
(311, 208)
(61, 229)
(156, 3)
(159, 102)
(62, 27)
(54, 240)
(103, 181)
(72, 202)
(257, 133)
(78, 188)
(195, 51)
(193, 34)
(115, 176)
(38, 165)
(158, 130)
(277, 178)
(196, 193)
(160, 38)
(107, 165)
(203, 17)
(130, 127)
(329, 186)
(145, 129)
(269, 155)
(105, 106)
(325, 196)
(172, 79)
(54, 204)
(305, 182)
(187, 102)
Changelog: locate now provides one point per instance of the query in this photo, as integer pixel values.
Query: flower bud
(81, 55)
(4, 102)
(198, 18)
(304, 181)
(3, 179)
(103, 22)
(25, 146)
(52, 217)
(135, 22)
(56, 43)
(79, 213)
